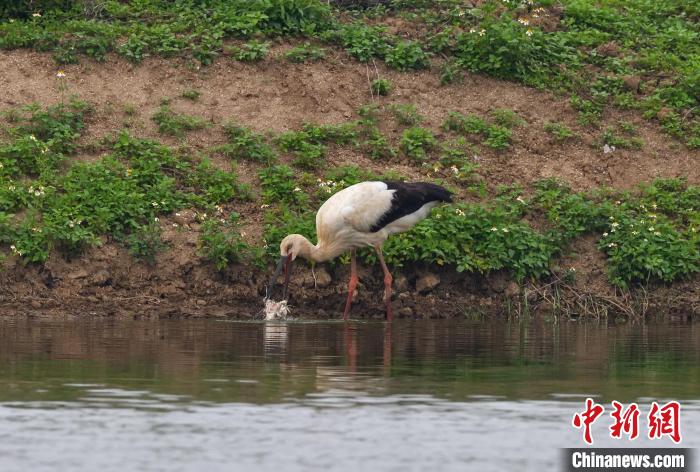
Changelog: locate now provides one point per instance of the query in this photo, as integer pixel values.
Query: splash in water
(276, 310)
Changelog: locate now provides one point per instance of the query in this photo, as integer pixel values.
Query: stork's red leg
(387, 284)
(351, 285)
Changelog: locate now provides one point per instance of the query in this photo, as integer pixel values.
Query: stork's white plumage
(364, 214)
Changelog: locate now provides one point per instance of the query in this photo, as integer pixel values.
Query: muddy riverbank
(108, 282)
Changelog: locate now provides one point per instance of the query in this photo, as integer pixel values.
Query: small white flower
(459, 212)
(156, 219)
(505, 230)
(264, 205)
(454, 170)
(32, 137)
(635, 233)
(60, 74)
(154, 204)
(653, 205)
(612, 245)
(482, 32)
(36, 15)
(297, 189)
(572, 269)
(528, 32)
(657, 233)
(651, 228)
(615, 224)
(71, 224)
(605, 235)
(472, 30)
(523, 21)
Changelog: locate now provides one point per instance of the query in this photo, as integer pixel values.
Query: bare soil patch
(277, 96)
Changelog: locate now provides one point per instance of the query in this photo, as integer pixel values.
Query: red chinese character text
(665, 421)
(587, 418)
(627, 420)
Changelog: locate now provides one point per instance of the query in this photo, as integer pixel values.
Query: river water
(205, 395)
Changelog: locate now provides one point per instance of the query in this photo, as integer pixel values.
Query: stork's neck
(317, 253)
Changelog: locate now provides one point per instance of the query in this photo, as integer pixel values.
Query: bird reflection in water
(275, 338)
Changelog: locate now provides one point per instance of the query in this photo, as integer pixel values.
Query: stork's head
(292, 246)
(295, 245)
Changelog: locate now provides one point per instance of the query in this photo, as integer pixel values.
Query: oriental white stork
(364, 214)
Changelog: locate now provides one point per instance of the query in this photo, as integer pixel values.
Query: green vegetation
(304, 53)
(406, 114)
(407, 55)
(250, 52)
(640, 54)
(47, 204)
(175, 124)
(559, 131)
(611, 139)
(221, 242)
(191, 94)
(496, 135)
(417, 142)
(381, 87)
(146, 241)
(245, 144)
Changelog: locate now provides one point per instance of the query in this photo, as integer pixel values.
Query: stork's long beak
(285, 263)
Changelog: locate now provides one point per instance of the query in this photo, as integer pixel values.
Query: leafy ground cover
(48, 203)
(638, 54)
(613, 63)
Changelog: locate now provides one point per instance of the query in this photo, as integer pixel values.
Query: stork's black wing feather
(408, 198)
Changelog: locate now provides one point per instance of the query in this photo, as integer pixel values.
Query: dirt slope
(277, 96)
